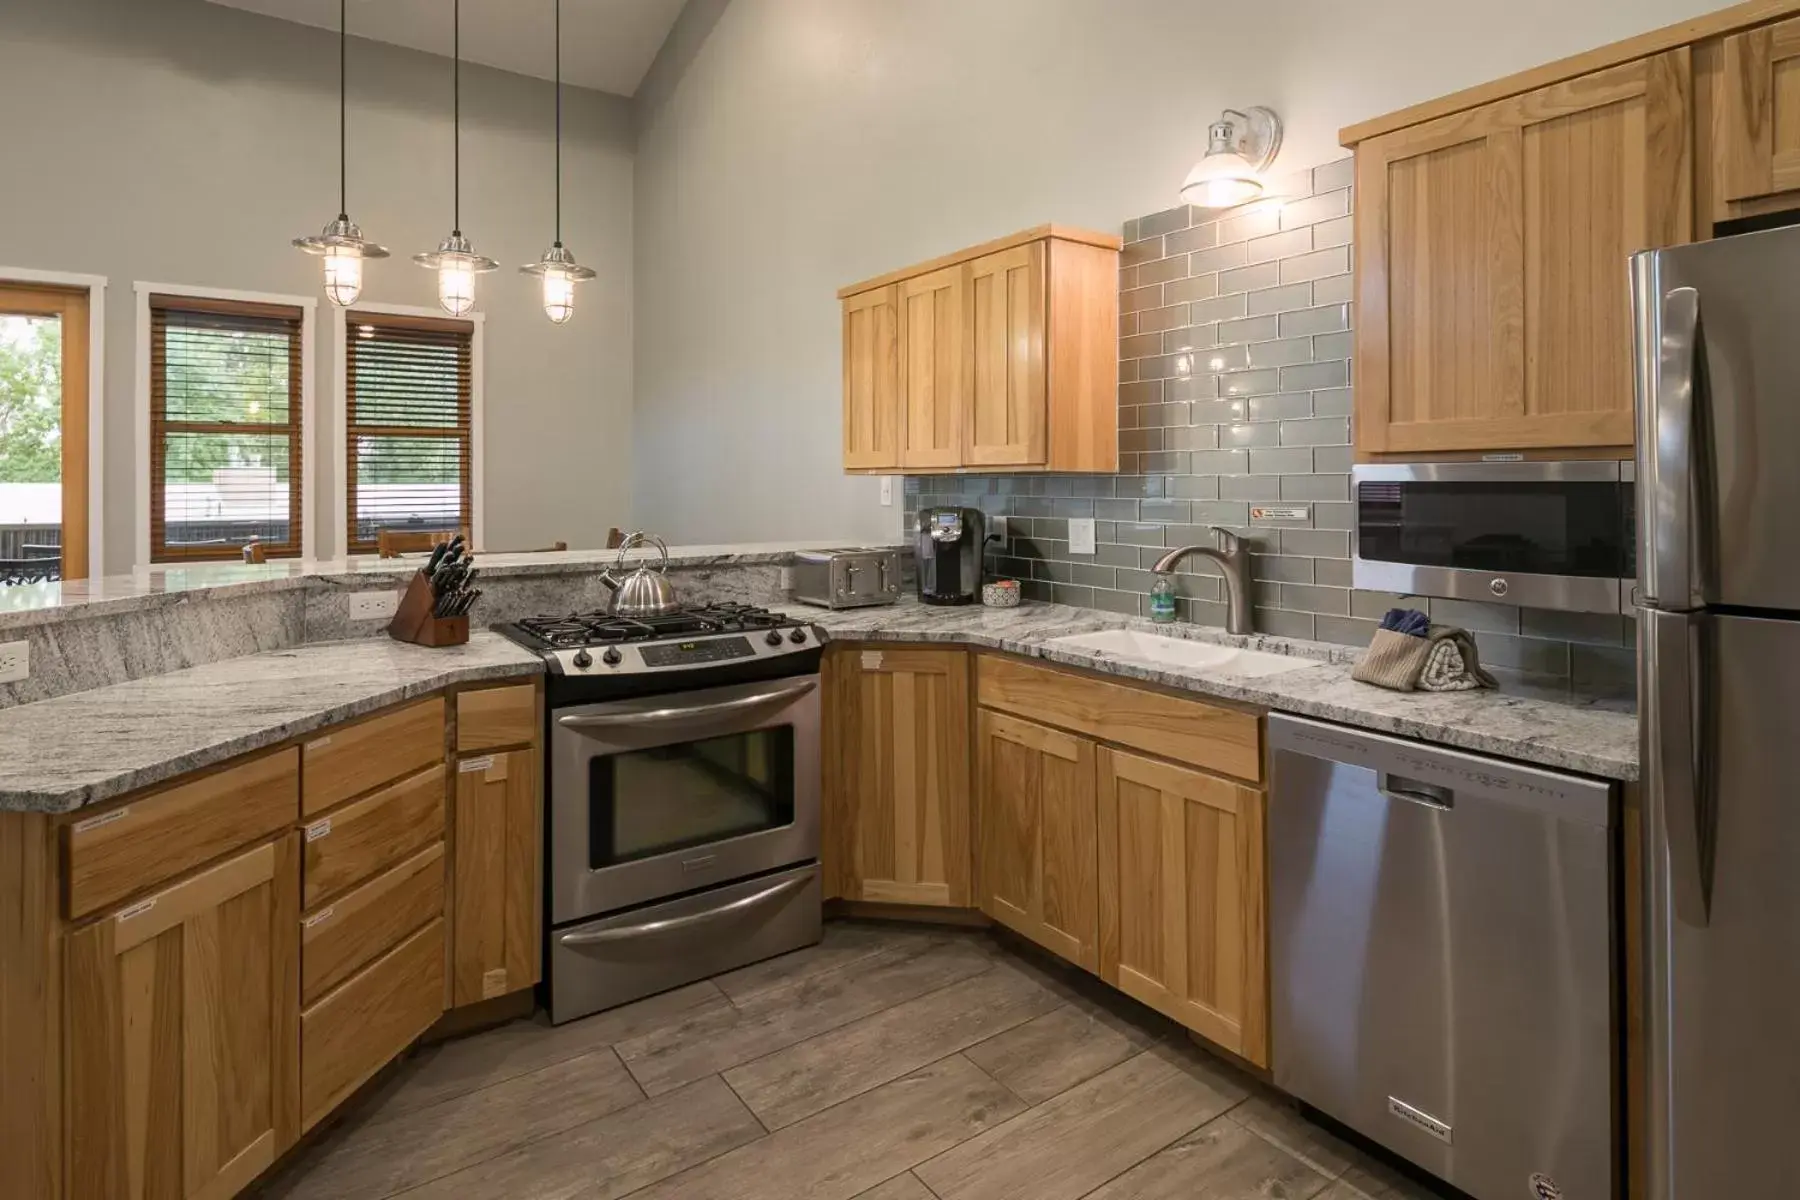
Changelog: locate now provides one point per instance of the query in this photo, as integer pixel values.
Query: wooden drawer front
(350, 760)
(148, 841)
(1191, 731)
(360, 839)
(503, 716)
(345, 935)
(357, 1029)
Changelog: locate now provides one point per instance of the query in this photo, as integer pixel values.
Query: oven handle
(663, 716)
(631, 933)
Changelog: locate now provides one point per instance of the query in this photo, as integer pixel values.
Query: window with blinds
(409, 388)
(225, 387)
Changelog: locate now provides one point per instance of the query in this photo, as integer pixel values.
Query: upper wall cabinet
(1004, 355)
(1493, 308)
(1756, 120)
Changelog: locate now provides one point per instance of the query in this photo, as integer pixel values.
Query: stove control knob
(583, 659)
(773, 637)
(797, 637)
(612, 657)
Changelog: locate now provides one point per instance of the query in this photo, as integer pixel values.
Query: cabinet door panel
(1038, 835)
(1181, 897)
(1491, 246)
(182, 1033)
(1008, 416)
(934, 367)
(872, 380)
(497, 878)
(1758, 127)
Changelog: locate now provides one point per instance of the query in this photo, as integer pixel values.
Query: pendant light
(455, 261)
(342, 244)
(558, 267)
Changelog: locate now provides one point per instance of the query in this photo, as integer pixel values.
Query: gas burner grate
(601, 628)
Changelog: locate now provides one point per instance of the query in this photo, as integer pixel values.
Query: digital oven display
(679, 654)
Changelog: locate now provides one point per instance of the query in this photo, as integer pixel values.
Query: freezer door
(1717, 347)
(1724, 1024)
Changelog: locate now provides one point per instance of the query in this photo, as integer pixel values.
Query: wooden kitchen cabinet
(872, 380)
(498, 897)
(1037, 834)
(1001, 355)
(897, 776)
(1755, 129)
(182, 1036)
(1182, 897)
(1493, 306)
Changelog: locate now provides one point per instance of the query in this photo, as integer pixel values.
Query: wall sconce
(1239, 148)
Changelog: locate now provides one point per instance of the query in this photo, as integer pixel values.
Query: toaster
(846, 578)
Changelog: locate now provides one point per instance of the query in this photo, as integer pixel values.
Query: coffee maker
(948, 547)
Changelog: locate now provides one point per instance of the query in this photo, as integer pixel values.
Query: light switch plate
(1081, 535)
(373, 606)
(15, 661)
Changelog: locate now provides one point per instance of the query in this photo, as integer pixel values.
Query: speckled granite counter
(1593, 736)
(61, 754)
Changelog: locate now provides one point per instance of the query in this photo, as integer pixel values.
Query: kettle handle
(639, 538)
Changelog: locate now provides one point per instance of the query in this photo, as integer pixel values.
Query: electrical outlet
(997, 528)
(887, 491)
(1081, 535)
(15, 661)
(373, 606)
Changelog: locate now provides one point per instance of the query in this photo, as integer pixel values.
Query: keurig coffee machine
(949, 543)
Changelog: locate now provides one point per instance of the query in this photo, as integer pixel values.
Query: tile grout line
(754, 1115)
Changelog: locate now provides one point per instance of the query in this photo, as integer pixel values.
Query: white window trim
(308, 306)
(340, 410)
(96, 290)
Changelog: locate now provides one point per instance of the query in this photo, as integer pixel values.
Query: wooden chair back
(392, 543)
(615, 537)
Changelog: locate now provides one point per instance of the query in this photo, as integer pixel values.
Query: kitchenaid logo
(1419, 1119)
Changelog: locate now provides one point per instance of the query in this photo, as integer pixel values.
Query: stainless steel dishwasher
(1442, 958)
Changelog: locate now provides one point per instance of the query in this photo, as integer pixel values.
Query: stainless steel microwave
(1538, 534)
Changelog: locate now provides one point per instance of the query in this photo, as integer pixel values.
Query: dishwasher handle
(1413, 791)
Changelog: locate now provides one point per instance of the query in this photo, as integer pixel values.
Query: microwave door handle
(686, 712)
(1676, 724)
(1668, 352)
(676, 925)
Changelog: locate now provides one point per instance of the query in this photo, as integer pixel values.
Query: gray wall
(810, 143)
(180, 142)
(1234, 352)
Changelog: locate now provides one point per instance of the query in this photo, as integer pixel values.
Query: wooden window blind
(225, 469)
(409, 386)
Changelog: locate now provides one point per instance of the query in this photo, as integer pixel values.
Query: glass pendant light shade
(1240, 147)
(341, 244)
(560, 273)
(456, 264)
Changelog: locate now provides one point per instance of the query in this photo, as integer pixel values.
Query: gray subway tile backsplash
(1235, 344)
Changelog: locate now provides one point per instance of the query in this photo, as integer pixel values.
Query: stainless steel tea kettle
(643, 593)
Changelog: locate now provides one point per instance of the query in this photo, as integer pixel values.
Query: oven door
(1537, 534)
(662, 795)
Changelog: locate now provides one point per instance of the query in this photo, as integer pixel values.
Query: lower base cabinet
(1182, 922)
(1037, 835)
(182, 1036)
(498, 902)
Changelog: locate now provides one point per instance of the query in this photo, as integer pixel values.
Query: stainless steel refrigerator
(1717, 348)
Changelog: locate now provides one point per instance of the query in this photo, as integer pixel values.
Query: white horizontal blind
(409, 391)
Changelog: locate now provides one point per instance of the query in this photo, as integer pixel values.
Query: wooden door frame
(95, 288)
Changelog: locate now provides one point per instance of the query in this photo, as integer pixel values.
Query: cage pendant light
(455, 261)
(558, 268)
(342, 244)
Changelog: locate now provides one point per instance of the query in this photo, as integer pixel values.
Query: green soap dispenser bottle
(1162, 599)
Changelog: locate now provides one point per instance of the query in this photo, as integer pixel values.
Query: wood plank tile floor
(886, 1063)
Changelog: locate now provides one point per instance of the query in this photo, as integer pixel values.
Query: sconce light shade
(1240, 147)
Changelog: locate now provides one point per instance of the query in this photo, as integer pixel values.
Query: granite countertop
(61, 754)
(1592, 735)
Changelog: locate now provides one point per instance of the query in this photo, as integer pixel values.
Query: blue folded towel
(1409, 621)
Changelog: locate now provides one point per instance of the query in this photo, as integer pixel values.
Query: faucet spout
(1234, 564)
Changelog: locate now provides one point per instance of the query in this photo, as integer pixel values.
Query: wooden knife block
(414, 623)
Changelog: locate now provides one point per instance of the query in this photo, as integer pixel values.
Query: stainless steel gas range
(682, 787)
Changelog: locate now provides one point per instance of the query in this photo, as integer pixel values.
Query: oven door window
(1541, 528)
(669, 798)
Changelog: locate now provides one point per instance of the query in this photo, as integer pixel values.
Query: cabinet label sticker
(320, 917)
(475, 764)
(319, 743)
(136, 910)
(871, 660)
(318, 829)
(117, 814)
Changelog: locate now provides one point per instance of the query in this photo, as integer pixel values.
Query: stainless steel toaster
(853, 577)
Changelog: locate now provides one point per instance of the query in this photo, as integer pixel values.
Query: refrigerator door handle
(1667, 334)
(1675, 728)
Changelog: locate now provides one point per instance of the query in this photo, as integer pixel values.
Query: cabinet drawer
(1191, 731)
(351, 759)
(346, 934)
(503, 716)
(357, 1029)
(153, 839)
(373, 833)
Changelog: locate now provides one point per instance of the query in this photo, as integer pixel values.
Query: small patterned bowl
(1002, 593)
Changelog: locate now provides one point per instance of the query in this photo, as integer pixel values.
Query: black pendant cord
(343, 118)
(559, 122)
(456, 118)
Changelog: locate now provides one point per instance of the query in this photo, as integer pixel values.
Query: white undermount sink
(1157, 650)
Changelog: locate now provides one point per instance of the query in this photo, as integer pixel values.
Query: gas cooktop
(605, 629)
(703, 638)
